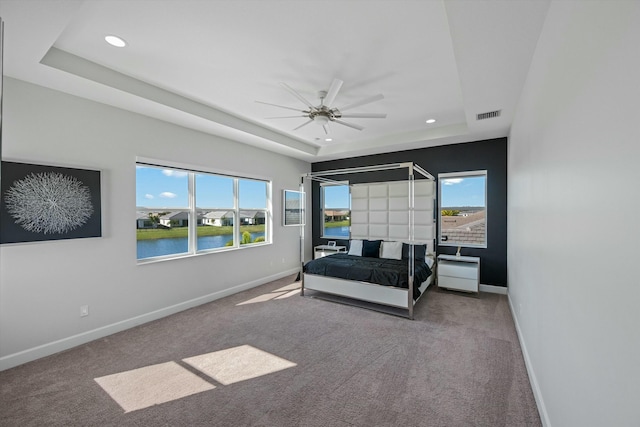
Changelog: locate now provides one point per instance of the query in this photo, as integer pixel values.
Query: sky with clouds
(467, 191)
(169, 188)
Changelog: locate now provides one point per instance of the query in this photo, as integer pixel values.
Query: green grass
(177, 232)
(344, 223)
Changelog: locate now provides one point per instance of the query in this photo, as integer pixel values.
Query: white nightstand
(459, 273)
(324, 250)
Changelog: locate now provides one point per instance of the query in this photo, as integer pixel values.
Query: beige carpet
(268, 357)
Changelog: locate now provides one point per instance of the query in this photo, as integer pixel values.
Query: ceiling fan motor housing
(322, 114)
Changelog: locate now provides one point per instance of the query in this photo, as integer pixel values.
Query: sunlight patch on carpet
(282, 293)
(262, 298)
(152, 385)
(289, 294)
(238, 364)
(291, 287)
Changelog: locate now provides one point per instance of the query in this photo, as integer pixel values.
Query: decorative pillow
(419, 251)
(391, 250)
(371, 248)
(430, 261)
(355, 248)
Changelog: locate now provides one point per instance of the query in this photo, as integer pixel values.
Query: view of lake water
(158, 247)
(338, 232)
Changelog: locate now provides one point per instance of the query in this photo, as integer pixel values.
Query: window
(253, 211)
(162, 199)
(215, 205)
(336, 210)
(463, 209)
(182, 212)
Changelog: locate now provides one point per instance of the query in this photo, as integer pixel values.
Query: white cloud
(148, 196)
(174, 173)
(168, 195)
(452, 181)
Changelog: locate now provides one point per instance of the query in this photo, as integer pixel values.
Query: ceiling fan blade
(304, 124)
(363, 102)
(287, 117)
(336, 84)
(366, 115)
(276, 105)
(351, 125)
(297, 95)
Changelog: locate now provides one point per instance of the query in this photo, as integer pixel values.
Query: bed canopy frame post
(411, 260)
(302, 225)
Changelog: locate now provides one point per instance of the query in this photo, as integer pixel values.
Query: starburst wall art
(41, 202)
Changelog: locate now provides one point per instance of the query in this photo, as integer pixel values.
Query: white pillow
(355, 248)
(429, 260)
(391, 250)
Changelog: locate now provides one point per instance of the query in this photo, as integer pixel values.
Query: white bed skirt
(369, 292)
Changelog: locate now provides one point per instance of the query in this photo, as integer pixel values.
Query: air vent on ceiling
(488, 115)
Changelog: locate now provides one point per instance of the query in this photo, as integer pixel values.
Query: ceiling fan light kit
(321, 120)
(324, 113)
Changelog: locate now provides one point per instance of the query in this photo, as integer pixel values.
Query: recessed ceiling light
(431, 121)
(328, 139)
(115, 41)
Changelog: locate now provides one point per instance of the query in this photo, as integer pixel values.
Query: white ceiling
(203, 64)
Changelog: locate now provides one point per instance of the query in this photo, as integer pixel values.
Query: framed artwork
(39, 202)
(292, 208)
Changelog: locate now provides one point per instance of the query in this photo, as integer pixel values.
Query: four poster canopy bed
(390, 261)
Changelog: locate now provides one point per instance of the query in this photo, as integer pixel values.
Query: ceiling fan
(325, 113)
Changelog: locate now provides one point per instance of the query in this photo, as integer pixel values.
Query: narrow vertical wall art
(39, 202)
(292, 208)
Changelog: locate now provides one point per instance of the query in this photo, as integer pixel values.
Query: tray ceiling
(203, 64)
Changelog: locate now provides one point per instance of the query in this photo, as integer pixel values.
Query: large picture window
(183, 212)
(336, 211)
(462, 199)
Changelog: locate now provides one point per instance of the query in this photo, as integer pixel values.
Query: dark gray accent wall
(489, 155)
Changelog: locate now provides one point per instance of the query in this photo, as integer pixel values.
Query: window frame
(268, 211)
(464, 174)
(323, 185)
(193, 209)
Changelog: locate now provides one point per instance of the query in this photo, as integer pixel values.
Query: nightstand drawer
(469, 285)
(460, 270)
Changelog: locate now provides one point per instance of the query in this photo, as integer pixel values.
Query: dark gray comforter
(381, 271)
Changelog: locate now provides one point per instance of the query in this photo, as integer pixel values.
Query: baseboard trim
(492, 289)
(16, 359)
(537, 394)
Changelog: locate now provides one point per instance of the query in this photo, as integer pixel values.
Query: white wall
(43, 285)
(573, 204)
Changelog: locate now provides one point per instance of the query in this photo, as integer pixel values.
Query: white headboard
(380, 211)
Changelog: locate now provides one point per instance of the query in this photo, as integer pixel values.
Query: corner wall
(574, 154)
(43, 285)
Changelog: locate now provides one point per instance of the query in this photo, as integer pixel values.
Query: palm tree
(449, 212)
